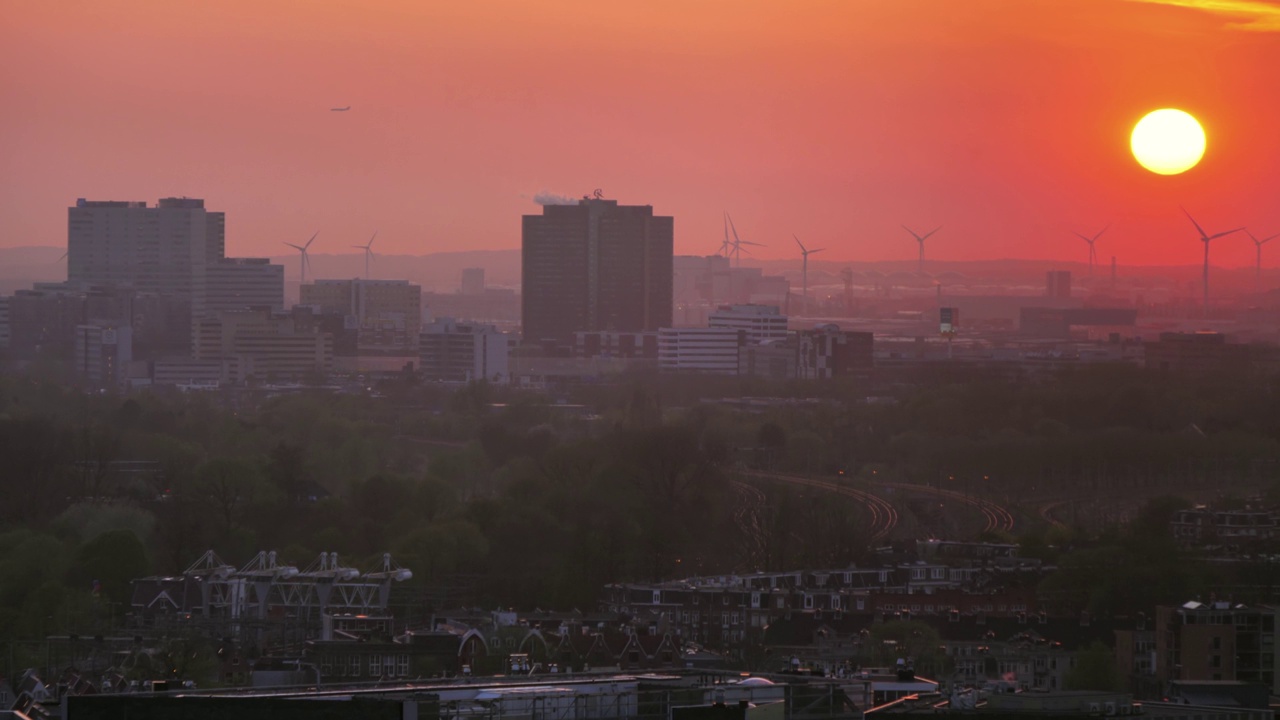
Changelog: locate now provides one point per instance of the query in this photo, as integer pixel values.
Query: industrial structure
(265, 599)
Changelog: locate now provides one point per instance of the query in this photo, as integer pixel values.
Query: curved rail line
(996, 516)
(1047, 512)
(884, 517)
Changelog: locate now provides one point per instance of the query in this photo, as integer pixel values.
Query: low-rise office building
(464, 352)
(1216, 641)
(759, 323)
(828, 352)
(273, 344)
(700, 350)
(243, 283)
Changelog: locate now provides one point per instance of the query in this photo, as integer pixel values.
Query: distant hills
(441, 272)
(435, 271)
(21, 266)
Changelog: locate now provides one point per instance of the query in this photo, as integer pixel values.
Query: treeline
(491, 497)
(497, 497)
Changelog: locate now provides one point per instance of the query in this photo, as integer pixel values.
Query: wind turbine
(726, 247)
(1205, 238)
(1258, 244)
(305, 259)
(920, 239)
(804, 272)
(1257, 278)
(368, 253)
(738, 242)
(1093, 251)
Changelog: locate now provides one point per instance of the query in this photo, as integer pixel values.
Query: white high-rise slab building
(163, 249)
(176, 248)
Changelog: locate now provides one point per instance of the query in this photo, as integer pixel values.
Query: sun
(1167, 141)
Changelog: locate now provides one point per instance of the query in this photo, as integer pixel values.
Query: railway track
(1047, 512)
(884, 517)
(995, 516)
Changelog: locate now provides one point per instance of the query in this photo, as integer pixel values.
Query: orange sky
(1006, 121)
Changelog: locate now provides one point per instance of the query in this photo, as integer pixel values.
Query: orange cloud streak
(1252, 14)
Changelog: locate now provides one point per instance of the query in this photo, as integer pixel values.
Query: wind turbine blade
(734, 227)
(802, 250)
(815, 251)
(360, 247)
(1264, 242)
(65, 254)
(1199, 229)
(926, 237)
(375, 237)
(295, 247)
(748, 242)
(1083, 237)
(1224, 234)
(1252, 237)
(913, 232)
(313, 238)
(1095, 237)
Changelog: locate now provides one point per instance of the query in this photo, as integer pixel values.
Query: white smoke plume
(550, 198)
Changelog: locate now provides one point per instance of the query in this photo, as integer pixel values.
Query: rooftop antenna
(804, 272)
(1093, 251)
(306, 260)
(1205, 238)
(1257, 278)
(738, 243)
(920, 239)
(368, 253)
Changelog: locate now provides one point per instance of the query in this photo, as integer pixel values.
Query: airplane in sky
(340, 109)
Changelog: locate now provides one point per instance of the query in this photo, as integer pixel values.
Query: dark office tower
(1057, 284)
(595, 266)
(472, 281)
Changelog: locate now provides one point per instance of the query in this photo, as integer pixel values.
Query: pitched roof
(801, 628)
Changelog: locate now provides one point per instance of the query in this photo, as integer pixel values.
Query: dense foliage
(499, 497)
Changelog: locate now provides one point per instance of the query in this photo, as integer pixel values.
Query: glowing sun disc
(1167, 141)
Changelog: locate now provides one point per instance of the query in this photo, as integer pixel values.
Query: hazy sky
(1005, 121)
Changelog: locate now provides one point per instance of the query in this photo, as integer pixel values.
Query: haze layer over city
(640, 361)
